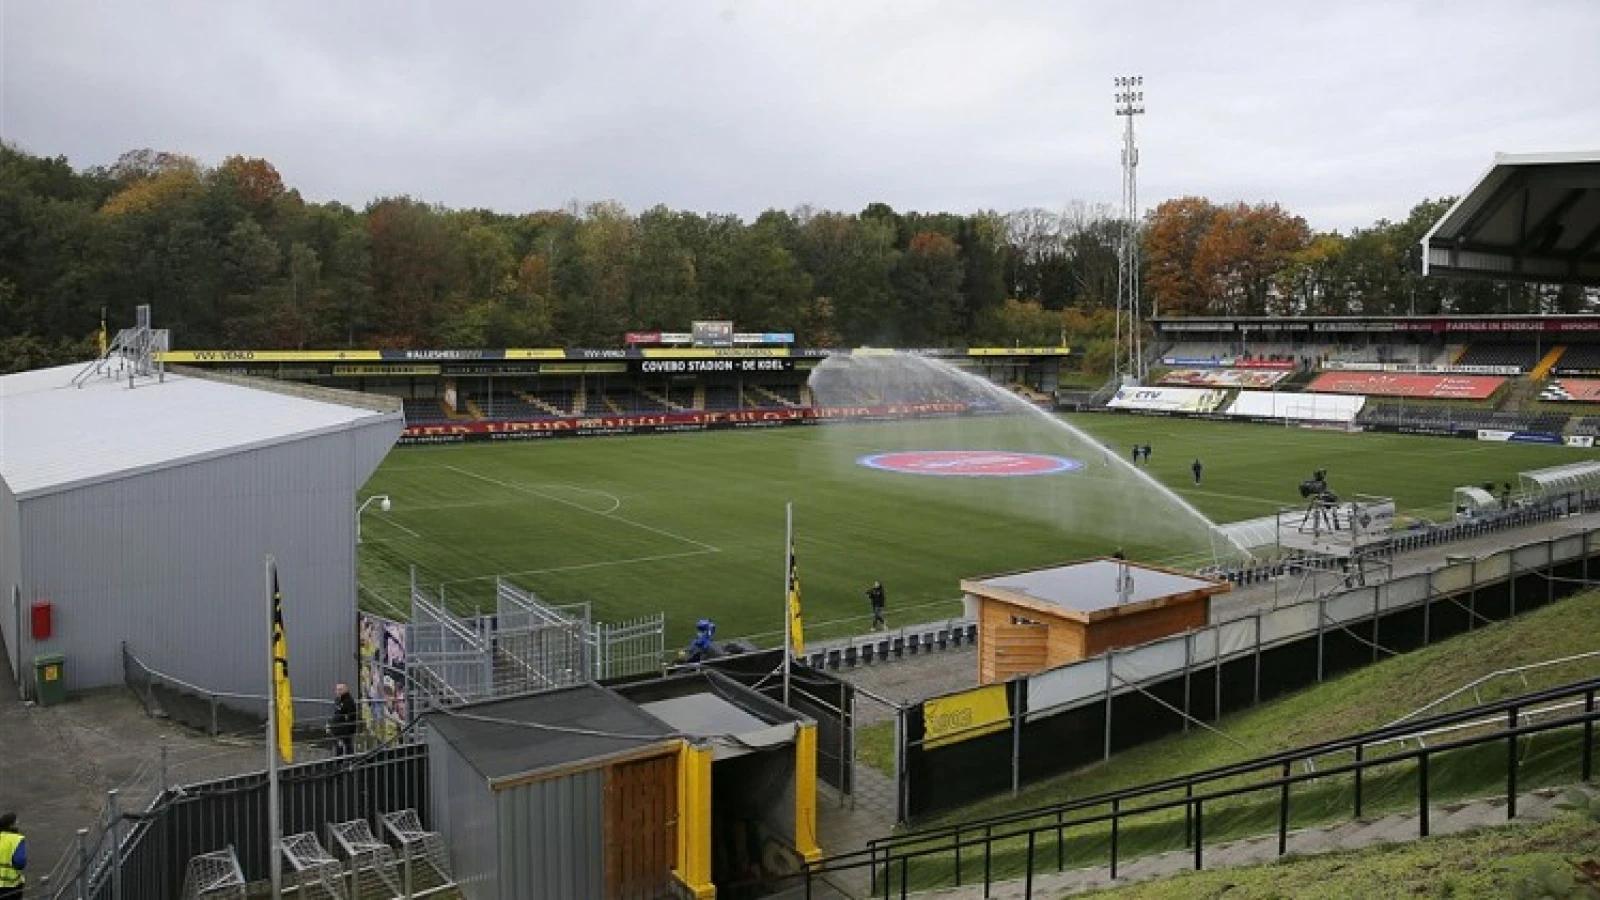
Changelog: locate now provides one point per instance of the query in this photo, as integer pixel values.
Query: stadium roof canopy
(54, 436)
(1531, 217)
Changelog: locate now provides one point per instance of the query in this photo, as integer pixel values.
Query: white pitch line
(401, 527)
(1185, 491)
(579, 506)
(616, 502)
(594, 565)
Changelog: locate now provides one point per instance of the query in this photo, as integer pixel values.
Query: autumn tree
(1172, 240)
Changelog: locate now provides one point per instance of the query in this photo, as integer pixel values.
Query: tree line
(231, 257)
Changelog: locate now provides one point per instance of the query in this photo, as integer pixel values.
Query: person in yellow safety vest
(13, 858)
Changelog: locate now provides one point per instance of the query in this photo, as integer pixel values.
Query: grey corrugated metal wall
(171, 562)
(11, 576)
(463, 810)
(551, 838)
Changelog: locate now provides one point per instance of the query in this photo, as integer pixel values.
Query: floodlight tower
(1130, 102)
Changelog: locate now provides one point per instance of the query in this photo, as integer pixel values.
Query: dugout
(1037, 619)
(649, 790)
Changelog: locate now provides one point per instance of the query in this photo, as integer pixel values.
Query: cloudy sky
(1343, 111)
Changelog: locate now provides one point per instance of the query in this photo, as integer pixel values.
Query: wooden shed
(1037, 619)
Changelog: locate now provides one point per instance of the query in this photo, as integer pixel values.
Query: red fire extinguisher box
(41, 620)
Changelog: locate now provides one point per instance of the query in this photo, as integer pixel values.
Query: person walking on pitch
(876, 596)
(1197, 469)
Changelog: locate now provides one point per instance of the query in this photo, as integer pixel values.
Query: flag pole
(788, 589)
(274, 826)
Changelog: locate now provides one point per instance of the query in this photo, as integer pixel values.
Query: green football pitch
(693, 524)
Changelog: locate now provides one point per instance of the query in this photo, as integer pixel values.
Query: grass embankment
(1358, 701)
(1489, 863)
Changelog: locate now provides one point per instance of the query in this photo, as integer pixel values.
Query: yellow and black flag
(282, 699)
(797, 640)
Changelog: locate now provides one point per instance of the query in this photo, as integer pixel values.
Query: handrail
(1189, 780)
(1464, 726)
(1193, 804)
(1477, 682)
(173, 679)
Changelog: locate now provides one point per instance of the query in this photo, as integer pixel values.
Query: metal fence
(1054, 721)
(144, 847)
(536, 645)
(525, 645)
(1040, 840)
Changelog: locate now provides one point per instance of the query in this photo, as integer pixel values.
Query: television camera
(1322, 504)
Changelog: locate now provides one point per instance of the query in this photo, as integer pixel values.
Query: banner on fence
(1453, 387)
(1168, 399)
(571, 426)
(1225, 378)
(1572, 390)
(1579, 440)
(1059, 687)
(382, 651)
(963, 716)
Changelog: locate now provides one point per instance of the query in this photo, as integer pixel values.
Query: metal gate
(525, 645)
(538, 646)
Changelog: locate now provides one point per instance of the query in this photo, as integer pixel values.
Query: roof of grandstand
(57, 436)
(1469, 324)
(1531, 217)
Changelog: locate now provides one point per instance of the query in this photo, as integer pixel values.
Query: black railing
(890, 857)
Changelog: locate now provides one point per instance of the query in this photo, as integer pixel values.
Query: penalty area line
(388, 521)
(579, 566)
(580, 507)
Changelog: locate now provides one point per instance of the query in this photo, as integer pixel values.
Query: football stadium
(695, 611)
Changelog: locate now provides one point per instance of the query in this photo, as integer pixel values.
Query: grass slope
(1493, 862)
(1357, 701)
(693, 524)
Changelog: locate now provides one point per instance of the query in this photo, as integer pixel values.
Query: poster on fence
(963, 716)
(382, 653)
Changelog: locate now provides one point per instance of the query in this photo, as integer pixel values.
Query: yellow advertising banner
(960, 717)
(357, 371)
(1019, 351)
(709, 352)
(536, 354)
(230, 356)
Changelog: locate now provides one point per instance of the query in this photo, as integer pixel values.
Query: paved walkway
(1446, 819)
(61, 761)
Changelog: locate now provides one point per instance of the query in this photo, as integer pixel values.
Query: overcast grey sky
(1343, 111)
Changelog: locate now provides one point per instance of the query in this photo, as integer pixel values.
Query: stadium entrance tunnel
(756, 825)
(752, 824)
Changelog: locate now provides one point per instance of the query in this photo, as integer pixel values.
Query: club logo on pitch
(970, 463)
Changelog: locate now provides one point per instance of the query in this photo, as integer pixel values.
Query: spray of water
(1110, 500)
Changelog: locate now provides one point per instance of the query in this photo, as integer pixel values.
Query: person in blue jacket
(701, 647)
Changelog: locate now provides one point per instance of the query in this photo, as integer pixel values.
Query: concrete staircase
(657, 398)
(770, 398)
(1450, 818)
(1519, 394)
(550, 408)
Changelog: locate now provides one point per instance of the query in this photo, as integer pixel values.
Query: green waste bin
(50, 678)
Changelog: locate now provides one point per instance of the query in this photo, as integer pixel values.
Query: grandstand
(1522, 357)
(1578, 359)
